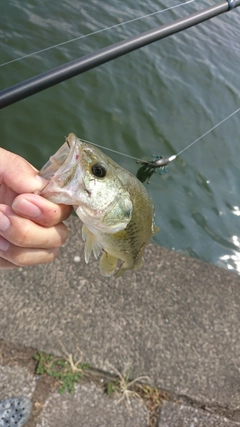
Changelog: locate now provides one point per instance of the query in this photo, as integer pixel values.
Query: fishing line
(148, 168)
(110, 149)
(161, 162)
(93, 33)
(206, 133)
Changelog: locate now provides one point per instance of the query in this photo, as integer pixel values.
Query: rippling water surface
(156, 100)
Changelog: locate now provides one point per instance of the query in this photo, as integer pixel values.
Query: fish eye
(99, 170)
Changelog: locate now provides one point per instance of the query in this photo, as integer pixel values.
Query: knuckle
(16, 256)
(22, 258)
(22, 238)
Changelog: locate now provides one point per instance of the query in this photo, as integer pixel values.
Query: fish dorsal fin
(91, 244)
(108, 264)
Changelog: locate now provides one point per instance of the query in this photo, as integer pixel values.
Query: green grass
(66, 371)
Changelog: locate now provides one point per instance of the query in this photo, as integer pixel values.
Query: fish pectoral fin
(108, 264)
(91, 244)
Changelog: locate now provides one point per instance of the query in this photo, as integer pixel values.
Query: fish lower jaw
(52, 197)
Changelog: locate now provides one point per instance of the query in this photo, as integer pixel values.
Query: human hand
(31, 228)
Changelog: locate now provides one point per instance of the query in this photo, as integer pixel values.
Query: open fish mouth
(63, 158)
(63, 171)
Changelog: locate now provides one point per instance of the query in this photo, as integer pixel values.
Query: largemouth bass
(114, 206)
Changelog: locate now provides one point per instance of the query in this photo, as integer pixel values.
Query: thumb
(18, 174)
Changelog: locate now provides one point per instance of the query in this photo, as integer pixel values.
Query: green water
(156, 100)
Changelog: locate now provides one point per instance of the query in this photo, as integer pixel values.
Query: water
(156, 100)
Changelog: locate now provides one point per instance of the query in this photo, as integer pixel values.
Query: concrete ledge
(176, 320)
(16, 381)
(181, 416)
(88, 406)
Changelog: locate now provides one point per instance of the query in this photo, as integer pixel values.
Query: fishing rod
(71, 69)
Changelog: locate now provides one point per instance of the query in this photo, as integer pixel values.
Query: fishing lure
(149, 168)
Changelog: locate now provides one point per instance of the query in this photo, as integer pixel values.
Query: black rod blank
(71, 69)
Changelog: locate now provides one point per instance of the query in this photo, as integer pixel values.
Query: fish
(116, 211)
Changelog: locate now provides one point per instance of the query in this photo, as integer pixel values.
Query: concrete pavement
(176, 321)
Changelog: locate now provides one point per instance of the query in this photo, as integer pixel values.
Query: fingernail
(4, 222)
(4, 244)
(26, 208)
(43, 181)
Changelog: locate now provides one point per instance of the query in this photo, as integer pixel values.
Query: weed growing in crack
(123, 386)
(151, 395)
(66, 371)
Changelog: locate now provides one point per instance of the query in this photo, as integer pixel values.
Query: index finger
(18, 174)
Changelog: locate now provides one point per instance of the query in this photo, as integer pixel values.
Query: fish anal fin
(136, 265)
